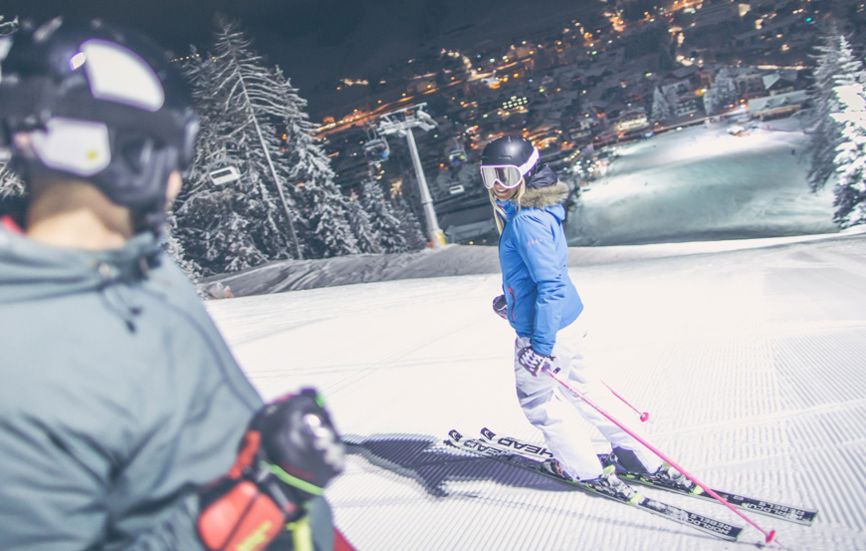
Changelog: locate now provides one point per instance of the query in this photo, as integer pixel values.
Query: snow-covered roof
(770, 80)
(683, 72)
(796, 97)
(778, 79)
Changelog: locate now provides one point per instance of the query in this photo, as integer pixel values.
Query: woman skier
(541, 304)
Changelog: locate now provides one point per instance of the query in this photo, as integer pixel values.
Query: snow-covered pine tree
(250, 93)
(722, 93)
(214, 234)
(241, 223)
(359, 221)
(12, 193)
(662, 108)
(7, 25)
(822, 128)
(329, 233)
(850, 189)
(850, 67)
(409, 224)
(173, 247)
(711, 102)
(11, 187)
(10, 184)
(207, 214)
(385, 224)
(308, 171)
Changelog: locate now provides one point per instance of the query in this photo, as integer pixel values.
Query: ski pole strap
(294, 481)
(302, 534)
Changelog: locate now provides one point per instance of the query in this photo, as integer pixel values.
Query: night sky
(320, 41)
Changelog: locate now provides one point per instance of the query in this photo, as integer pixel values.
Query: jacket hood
(538, 198)
(30, 270)
(545, 176)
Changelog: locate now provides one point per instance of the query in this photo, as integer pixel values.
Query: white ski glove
(532, 361)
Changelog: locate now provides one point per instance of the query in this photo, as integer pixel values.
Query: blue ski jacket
(533, 256)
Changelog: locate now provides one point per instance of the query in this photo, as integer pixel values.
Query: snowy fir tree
(722, 93)
(850, 67)
(410, 227)
(8, 25)
(359, 220)
(11, 186)
(838, 131)
(823, 129)
(210, 217)
(850, 189)
(662, 108)
(10, 183)
(307, 168)
(385, 223)
(238, 224)
(175, 250)
(328, 230)
(285, 203)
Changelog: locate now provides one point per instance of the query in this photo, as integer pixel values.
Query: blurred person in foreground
(125, 422)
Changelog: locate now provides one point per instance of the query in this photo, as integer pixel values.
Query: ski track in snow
(749, 355)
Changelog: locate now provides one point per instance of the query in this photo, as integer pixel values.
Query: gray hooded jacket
(118, 398)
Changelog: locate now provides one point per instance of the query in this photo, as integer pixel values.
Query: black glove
(300, 444)
(289, 453)
(500, 306)
(532, 361)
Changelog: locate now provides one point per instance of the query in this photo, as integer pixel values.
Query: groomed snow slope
(751, 361)
(703, 183)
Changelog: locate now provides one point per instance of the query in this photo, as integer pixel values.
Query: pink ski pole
(768, 535)
(644, 415)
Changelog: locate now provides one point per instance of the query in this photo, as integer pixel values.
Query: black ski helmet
(512, 151)
(90, 101)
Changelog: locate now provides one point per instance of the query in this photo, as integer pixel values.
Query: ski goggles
(508, 176)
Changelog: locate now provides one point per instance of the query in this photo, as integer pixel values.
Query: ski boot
(669, 477)
(610, 485)
(554, 467)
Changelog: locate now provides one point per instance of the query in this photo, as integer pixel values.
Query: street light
(400, 123)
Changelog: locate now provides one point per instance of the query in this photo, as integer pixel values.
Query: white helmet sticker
(70, 145)
(120, 75)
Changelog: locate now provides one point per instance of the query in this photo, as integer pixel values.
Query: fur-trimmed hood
(544, 189)
(538, 198)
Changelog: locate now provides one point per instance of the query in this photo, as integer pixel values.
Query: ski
(493, 450)
(779, 511)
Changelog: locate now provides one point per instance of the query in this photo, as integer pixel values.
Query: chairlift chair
(376, 150)
(457, 156)
(224, 175)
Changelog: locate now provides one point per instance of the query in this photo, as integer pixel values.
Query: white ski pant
(565, 419)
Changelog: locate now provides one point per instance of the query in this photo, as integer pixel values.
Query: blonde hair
(498, 212)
